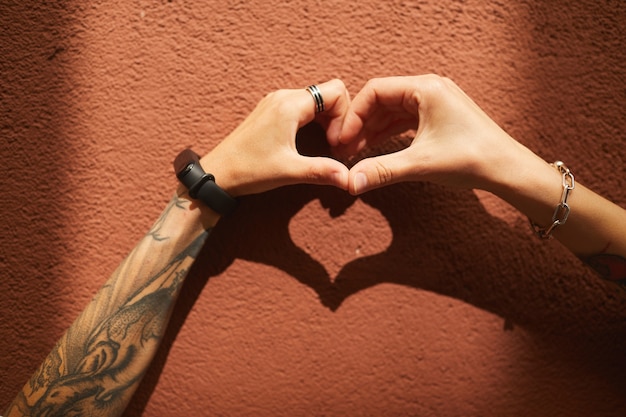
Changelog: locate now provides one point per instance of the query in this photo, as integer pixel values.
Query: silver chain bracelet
(562, 209)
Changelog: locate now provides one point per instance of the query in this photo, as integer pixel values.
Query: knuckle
(338, 87)
(371, 83)
(436, 83)
(271, 96)
(279, 102)
(432, 87)
(313, 175)
(385, 175)
(276, 96)
(447, 80)
(284, 107)
(337, 84)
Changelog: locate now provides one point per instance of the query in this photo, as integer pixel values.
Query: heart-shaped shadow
(421, 255)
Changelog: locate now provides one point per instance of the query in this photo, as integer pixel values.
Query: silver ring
(317, 96)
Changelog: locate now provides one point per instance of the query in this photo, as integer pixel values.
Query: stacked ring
(317, 96)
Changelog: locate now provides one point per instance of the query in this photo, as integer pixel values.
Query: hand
(260, 154)
(456, 143)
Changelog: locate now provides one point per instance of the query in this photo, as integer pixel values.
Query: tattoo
(94, 369)
(610, 267)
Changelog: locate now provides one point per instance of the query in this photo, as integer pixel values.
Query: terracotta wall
(411, 300)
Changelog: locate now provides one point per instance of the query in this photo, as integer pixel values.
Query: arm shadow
(444, 241)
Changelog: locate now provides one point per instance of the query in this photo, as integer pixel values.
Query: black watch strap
(201, 185)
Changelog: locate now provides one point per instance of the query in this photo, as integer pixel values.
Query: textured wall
(411, 300)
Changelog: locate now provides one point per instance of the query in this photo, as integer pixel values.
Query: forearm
(96, 366)
(595, 226)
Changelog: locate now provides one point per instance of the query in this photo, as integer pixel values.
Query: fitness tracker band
(201, 185)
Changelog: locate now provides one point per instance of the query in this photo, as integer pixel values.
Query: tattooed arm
(96, 366)
(98, 363)
(457, 144)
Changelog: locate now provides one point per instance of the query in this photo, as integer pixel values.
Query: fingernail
(360, 182)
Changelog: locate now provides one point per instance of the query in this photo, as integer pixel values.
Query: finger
(319, 170)
(373, 139)
(372, 173)
(336, 101)
(394, 94)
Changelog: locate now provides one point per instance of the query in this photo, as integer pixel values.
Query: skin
(457, 144)
(96, 366)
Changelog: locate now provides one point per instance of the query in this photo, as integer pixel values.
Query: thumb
(376, 172)
(320, 170)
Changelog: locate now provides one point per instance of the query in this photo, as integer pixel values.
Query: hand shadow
(257, 231)
(444, 241)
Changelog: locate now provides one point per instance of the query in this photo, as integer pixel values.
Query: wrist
(531, 185)
(221, 169)
(196, 214)
(200, 185)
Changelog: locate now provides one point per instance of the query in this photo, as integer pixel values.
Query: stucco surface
(410, 300)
